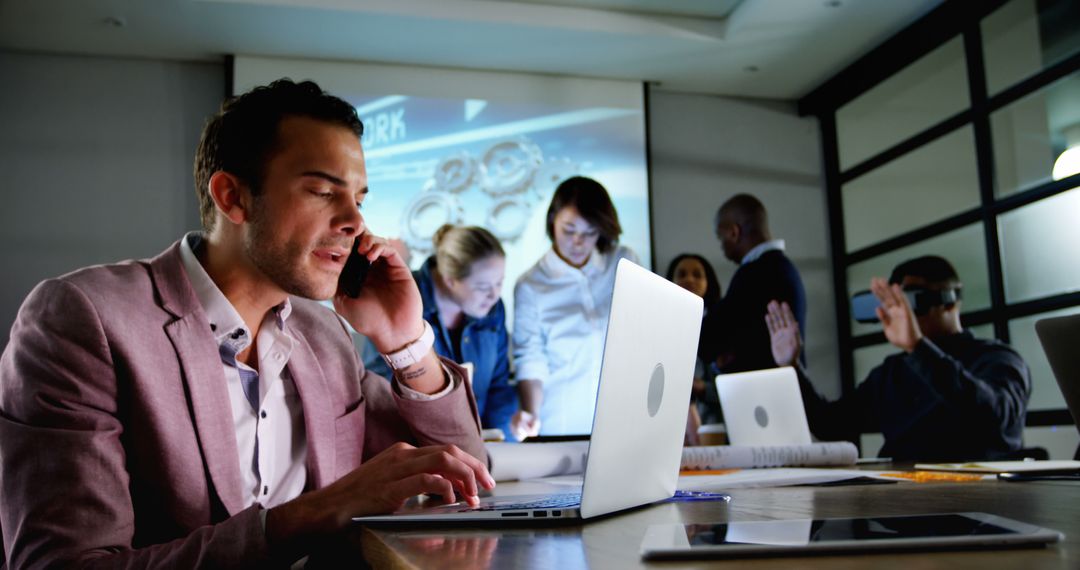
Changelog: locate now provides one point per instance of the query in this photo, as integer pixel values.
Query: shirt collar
(761, 249)
(557, 266)
(224, 320)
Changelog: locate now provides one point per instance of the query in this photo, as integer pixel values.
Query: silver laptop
(1060, 338)
(636, 444)
(763, 407)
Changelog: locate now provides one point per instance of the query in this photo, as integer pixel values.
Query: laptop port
(515, 514)
(556, 513)
(539, 514)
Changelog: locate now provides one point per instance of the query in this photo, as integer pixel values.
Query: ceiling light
(1067, 164)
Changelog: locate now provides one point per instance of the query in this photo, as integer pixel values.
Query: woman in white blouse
(561, 307)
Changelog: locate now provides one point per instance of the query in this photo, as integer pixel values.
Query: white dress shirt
(560, 320)
(278, 426)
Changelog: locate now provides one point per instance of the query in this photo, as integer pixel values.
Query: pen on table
(933, 477)
(1039, 476)
(699, 496)
(708, 471)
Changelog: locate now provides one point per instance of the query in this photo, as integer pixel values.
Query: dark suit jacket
(736, 326)
(116, 438)
(953, 398)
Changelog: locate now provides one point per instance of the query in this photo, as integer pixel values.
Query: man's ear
(735, 231)
(230, 195)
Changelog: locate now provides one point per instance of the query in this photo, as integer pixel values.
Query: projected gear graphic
(510, 178)
(455, 173)
(507, 218)
(427, 212)
(551, 173)
(508, 167)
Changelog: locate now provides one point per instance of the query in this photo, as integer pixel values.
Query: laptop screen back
(763, 407)
(1060, 338)
(644, 392)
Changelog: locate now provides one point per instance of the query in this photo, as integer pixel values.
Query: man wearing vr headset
(947, 396)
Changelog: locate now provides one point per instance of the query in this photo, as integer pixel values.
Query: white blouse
(560, 320)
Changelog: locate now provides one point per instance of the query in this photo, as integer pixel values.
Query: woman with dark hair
(694, 273)
(561, 307)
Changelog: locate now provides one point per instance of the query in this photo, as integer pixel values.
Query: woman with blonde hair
(460, 286)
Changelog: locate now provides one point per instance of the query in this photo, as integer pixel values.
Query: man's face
(478, 293)
(940, 320)
(727, 232)
(302, 225)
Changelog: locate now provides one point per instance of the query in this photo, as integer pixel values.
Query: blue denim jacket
(484, 343)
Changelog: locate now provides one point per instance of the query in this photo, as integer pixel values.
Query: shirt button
(266, 489)
(263, 414)
(278, 356)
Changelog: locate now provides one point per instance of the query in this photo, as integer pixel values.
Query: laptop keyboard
(561, 501)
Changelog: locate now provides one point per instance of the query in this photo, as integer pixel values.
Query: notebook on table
(646, 374)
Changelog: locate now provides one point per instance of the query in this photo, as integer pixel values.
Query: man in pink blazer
(197, 409)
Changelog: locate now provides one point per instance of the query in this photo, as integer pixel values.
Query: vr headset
(864, 303)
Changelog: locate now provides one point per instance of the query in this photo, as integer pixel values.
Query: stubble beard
(279, 262)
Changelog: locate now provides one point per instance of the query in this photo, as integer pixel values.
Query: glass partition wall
(954, 138)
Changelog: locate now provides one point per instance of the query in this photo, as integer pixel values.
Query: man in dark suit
(734, 335)
(199, 409)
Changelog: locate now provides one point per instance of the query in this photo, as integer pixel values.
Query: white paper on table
(517, 461)
(778, 477)
(741, 456)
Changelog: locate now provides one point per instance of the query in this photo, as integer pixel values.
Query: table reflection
(531, 548)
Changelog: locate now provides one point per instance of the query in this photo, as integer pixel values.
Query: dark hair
(935, 270)
(241, 138)
(591, 200)
(746, 211)
(712, 290)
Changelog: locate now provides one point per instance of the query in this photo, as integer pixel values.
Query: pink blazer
(116, 440)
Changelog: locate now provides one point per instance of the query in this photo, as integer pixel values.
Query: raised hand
(898, 320)
(783, 333)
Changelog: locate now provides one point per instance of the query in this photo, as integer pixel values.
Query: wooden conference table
(613, 541)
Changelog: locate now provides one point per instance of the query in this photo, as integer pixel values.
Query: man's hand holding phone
(388, 308)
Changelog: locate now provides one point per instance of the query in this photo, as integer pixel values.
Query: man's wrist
(411, 352)
(914, 345)
(427, 376)
(410, 390)
(394, 340)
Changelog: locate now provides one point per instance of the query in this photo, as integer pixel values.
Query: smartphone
(805, 536)
(355, 271)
